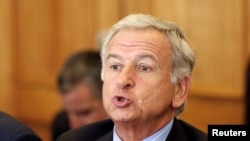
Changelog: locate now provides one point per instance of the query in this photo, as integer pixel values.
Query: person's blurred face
(81, 106)
(137, 70)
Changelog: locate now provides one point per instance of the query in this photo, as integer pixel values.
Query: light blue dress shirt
(160, 135)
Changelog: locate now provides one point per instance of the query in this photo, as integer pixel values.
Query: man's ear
(181, 92)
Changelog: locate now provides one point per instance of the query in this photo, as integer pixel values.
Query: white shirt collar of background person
(160, 135)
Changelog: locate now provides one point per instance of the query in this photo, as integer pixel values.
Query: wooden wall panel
(215, 31)
(201, 111)
(106, 14)
(36, 59)
(6, 46)
(75, 26)
(171, 10)
(247, 22)
(38, 103)
(35, 41)
(139, 6)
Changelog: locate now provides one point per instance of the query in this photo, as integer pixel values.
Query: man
(147, 66)
(13, 130)
(80, 87)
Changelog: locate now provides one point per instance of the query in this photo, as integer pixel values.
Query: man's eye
(145, 68)
(115, 67)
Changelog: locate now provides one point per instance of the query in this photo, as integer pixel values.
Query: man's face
(137, 70)
(81, 106)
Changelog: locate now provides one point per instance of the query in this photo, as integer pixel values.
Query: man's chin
(121, 119)
(122, 115)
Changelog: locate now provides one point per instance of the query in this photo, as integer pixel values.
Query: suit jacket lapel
(176, 133)
(106, 137)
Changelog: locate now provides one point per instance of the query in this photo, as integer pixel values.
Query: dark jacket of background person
(13, 130)
(60, 124)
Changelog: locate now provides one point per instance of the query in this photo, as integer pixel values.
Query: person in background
(12, 129)
(80, 89)
(146, 72)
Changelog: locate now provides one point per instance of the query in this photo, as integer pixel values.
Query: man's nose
(125, 79)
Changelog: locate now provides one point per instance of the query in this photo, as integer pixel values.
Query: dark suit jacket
(103, 131)
(60, 124)
(13, 130)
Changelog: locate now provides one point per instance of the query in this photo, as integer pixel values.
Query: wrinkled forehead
(150, 38)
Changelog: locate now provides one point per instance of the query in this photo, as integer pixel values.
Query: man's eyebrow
(143, 56)
(140, 57)
(113, 56)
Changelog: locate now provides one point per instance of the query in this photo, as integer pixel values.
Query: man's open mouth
(121, 101)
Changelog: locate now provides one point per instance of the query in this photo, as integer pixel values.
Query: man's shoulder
(88, 132)
(191, 132)
(14, 129)
(60, 124)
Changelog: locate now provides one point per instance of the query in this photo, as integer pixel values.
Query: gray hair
(183, 58)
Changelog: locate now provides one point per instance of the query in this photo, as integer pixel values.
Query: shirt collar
(160, 135)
